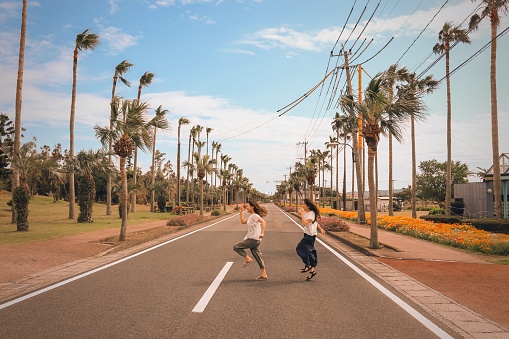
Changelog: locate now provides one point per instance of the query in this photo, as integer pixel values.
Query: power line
(433, 18)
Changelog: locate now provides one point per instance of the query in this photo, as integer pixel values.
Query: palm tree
(342, 129)
(493, 9)
(218, 165)
(393, 75)
(225, 177)
(84, 41)
(158, 122)
(375, 110)
(208, 130)
(188, 164)
(182, 121)
(427, 85)
(349, 126)
(145, 80)
(447, 35)
(19, 98)
(121, 68)
(131, 130)
(203, 166)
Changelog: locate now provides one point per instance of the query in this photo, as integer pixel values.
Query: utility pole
(305, 143)
(361, 214)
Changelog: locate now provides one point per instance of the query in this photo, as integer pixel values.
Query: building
(479, 198)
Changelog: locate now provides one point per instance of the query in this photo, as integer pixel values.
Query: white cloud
(117, 40)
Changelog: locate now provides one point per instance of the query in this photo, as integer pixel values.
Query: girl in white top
(306, 248)
(255, 231)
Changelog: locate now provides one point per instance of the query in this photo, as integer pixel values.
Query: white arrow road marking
(200, 306)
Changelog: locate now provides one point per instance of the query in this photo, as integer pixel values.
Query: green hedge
(493, 225)
(442, 218)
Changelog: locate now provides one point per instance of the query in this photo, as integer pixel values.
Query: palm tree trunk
(449, 132)
(124, 197)
(135, 170)
(178, 168)
(391, 210)
(110, 147)
(201, 197)
(188, 168)
(344, 174)
(360, 192)
(497, 188)
(414, 169)
(72, 195)
(19, 100)
(373, 240)
(152, 191)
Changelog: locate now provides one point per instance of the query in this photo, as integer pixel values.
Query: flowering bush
(333, 224)
(458, 235)
(290, 209)
(183, 220)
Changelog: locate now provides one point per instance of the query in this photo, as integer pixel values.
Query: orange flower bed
(458, 235)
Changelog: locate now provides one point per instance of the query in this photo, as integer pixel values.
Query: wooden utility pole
(361, 214)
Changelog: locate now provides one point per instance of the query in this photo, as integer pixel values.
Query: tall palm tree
(340, 125)
(158, 122)
(426, 85)
(131, 129)
(120, 70)
(192, 133)
(225, 177)
(449, 35)
(208, 130)
(19, 98)
(493, 9)
(84, 41)
(204, 165)
(375, 110)
(145, 80)
(394, 75)
(182, 121)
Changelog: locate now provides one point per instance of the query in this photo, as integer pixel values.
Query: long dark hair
(312, 207)
(260, 210)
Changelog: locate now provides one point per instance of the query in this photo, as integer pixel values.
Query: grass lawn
(49, 220)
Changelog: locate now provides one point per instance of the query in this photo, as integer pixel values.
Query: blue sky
(230, 65)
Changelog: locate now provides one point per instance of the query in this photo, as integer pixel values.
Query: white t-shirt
(254, 227)
(310, 229)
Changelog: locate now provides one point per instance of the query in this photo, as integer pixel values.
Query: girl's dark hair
(312, 207)
(260, 210)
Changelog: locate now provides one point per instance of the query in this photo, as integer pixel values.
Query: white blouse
(310, 229)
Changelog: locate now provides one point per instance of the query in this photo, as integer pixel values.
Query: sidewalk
(406, 247)
(463, 289)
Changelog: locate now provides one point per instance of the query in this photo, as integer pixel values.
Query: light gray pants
(254, 246)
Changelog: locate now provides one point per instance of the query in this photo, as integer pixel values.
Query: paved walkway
(407, 247)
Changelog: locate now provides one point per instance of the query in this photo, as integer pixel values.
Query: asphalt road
(194, 286)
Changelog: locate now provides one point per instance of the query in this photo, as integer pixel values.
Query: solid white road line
(204, 301)
(409, 309)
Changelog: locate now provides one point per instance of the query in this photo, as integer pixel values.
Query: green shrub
(161, 203)
(215, 213)
(21, 198)
(442, 218)
(493, 225)
(436, 211)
